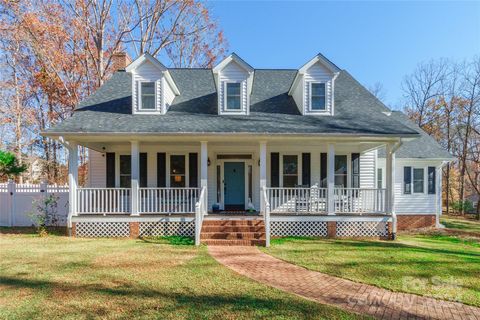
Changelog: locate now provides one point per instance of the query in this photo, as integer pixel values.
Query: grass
(459, 223)
(435, 265)
(60, 277)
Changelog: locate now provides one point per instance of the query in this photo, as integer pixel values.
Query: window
(290, 171)
(125, 171)
(407, 180)
(379, 178)
(355, 170)
(317, 96)
(341, 171)
(177, 171)
(431, 180)
(233, 96)
(418, 180)
(147, 95)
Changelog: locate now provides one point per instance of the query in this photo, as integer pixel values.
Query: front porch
(303, 187)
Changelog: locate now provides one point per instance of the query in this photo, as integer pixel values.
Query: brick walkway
(345, 294)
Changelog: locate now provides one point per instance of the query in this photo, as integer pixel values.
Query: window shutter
(355, 170)
(110, 169)
(143, 170)
(306, 169)
(431, 180)
(161, 169)
(407, 180)
(274, 169)
(323, 170)
(193, 170)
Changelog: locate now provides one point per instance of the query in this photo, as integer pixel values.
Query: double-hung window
(317, 96)
(147, 95)
(290, 171)
(418, 180)
(233, 96)
(177, 171)
(125, 171)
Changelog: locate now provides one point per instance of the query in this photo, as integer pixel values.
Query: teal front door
(234, 185)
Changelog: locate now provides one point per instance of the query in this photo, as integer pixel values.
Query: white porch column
(204, 164)
(331, 179)
(72, 180)
(135, 175)
(389, 179)
(263, 171)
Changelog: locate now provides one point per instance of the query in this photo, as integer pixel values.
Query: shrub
(462, 206)
(45, 213)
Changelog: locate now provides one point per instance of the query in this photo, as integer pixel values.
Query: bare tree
(378, 90)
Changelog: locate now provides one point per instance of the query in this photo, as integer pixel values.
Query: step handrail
(200, 212)
(266, 216)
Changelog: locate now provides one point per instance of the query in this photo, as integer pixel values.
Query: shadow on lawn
(197, 303)
(58, 231)
(350, 243)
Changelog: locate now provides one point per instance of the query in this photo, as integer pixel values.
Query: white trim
(225, 98)
(140, 101)
(232, 57)
(325, 95)
(384, 218)
(128, 218)
(246, 163)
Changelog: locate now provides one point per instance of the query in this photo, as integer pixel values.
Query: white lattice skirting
(102, 229)
(167, 228)
(362, 229)
(299, 228)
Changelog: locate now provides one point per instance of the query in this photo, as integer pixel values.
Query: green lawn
(461, 224)
(440, 266)
(59, 277)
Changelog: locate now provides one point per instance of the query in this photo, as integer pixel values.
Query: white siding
(233, 73)
(414, 203)
(164, 93)
(318, 73)
(367, 169)
(96, 169)
(297, 94)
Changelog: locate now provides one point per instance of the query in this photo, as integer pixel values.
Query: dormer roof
(146, 57)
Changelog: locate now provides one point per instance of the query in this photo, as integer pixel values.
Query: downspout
(395, 147)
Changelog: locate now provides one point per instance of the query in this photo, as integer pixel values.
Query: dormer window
(317, 96)
(234, 96)
(147, 95)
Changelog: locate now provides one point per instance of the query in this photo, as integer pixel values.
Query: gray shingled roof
(272, 110)
(424, 147)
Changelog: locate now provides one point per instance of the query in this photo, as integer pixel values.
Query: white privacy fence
(18, 201)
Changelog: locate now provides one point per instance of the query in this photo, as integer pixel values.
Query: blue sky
(374, 41)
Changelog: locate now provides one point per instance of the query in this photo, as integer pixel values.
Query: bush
(45, 213)
(462, 206)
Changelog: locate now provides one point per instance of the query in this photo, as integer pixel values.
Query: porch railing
(201, 208)
(359, 200)
(314, 200)
(297, 200)
(103, 200)
(167, 200)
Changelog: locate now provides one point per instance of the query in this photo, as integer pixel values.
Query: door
(234, 185)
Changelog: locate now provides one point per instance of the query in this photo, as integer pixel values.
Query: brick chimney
(120, 60)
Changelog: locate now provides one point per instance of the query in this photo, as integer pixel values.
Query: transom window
(177, 171)
(317, 96)
(233, 96)
(290, 171)
(418, 180)
(147, 95)
(341, 171)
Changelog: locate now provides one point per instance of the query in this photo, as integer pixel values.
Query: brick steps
(225, 242)
(233, 233)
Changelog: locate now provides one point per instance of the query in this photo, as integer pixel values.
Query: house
(235, 155)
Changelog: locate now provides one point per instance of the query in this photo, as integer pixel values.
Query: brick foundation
(134, 229)
(74, 229)
(408, 222)
(332, 229)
